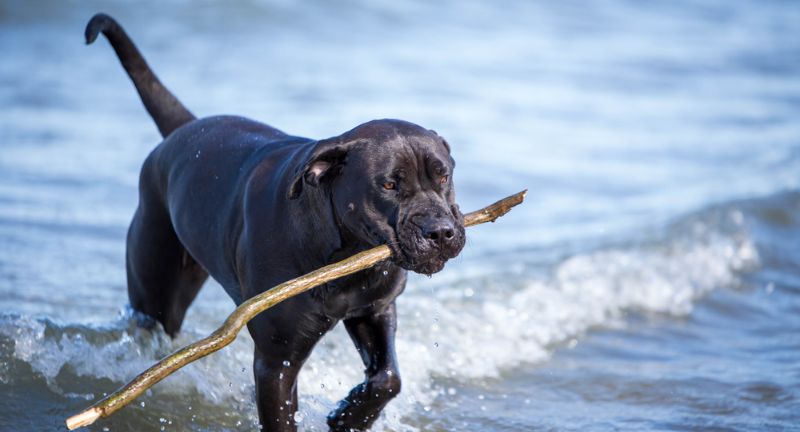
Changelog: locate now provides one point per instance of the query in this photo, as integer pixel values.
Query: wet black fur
(253, 207)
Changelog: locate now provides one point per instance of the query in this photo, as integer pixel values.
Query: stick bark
(226, 334)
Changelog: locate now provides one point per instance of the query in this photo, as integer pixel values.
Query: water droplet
(451, 391)
(426, 408)
(288, 402)
(322, 386)
(190, 407)
(436, 344)
(105, 429)
(239, 423)
(162, 420)
(142, 404)
(280, 375)
(298, 417)
(286, 363)
(385, 273)
(244, 369)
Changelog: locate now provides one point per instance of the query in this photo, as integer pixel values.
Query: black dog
(253, 207)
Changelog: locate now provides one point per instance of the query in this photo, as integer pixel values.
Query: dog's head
(391, 182)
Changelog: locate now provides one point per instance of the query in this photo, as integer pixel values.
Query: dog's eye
(443, 179)
(390, 185)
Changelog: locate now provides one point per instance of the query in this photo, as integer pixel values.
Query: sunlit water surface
(650, 282)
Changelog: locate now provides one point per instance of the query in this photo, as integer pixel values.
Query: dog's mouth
(413, 252)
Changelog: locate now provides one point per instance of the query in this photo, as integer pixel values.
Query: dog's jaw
(413, 252)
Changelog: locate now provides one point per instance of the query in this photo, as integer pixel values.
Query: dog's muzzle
(426, 243)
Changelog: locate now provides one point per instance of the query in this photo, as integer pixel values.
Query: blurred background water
(650, 282)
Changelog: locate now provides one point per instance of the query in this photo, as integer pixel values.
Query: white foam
(466, 329)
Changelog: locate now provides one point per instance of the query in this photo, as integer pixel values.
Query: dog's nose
(440, 231)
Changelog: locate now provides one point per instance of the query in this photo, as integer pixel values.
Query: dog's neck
(349, 243)
(312, 215)
(328, 240)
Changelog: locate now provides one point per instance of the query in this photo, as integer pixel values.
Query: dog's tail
(167, 111)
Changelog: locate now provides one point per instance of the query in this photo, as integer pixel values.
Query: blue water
(651, 281)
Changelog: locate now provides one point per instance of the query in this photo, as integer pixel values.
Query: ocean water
(651, 281)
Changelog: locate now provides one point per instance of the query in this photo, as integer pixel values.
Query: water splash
(466, 329)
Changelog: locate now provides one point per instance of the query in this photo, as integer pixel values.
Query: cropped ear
(446, 145)
(444, 141)
(325, 161)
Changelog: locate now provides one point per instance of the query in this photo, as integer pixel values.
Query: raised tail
(165, 109)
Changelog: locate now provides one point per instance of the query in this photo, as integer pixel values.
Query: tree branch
(252, 307)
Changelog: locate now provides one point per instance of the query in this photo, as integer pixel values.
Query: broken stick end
(83, 419)
(496, 210)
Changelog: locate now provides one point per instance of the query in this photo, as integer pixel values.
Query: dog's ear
(324, 162)
(446, 145)
(444, 141)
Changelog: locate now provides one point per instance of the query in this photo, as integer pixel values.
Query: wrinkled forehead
(409, 155)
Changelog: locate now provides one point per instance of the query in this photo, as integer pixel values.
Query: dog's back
(202, 164)
(202, 172)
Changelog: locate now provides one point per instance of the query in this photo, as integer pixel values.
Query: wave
(458, 329)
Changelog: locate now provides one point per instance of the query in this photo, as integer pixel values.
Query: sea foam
(458, 329)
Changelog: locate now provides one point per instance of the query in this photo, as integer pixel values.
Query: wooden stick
(252, 307)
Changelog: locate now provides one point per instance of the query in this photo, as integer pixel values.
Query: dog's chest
(366, 292)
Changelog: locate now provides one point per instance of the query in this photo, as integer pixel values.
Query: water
(650, 282)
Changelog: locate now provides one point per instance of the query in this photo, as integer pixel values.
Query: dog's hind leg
(163, 278)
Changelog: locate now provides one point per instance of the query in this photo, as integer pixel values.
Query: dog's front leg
(373, 336)
(276, 393)
(284, 339)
